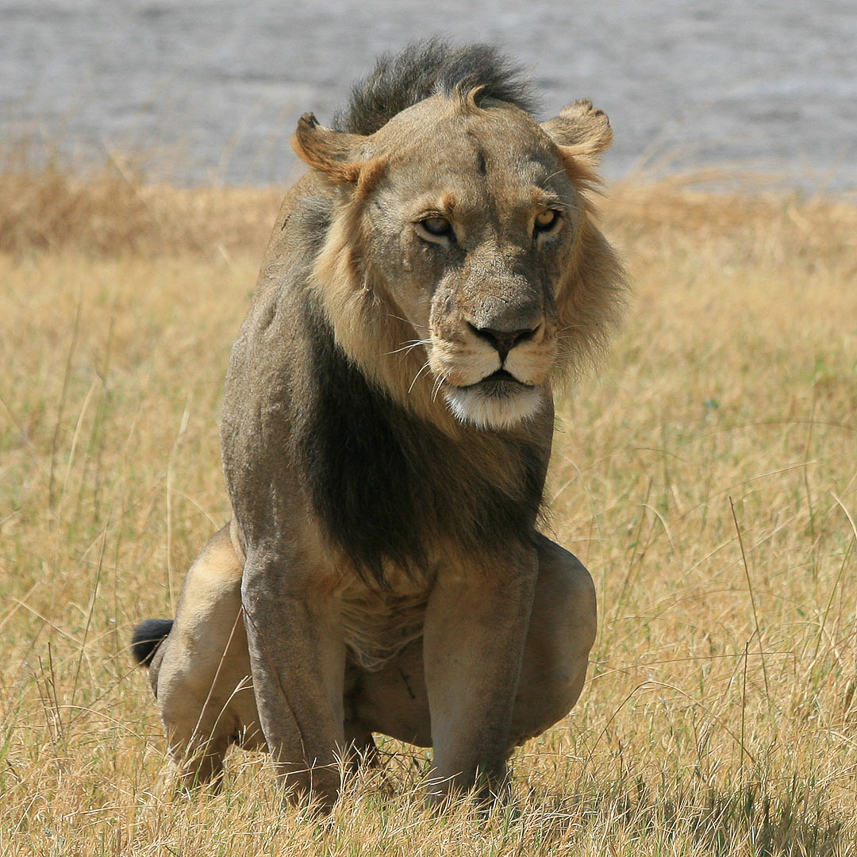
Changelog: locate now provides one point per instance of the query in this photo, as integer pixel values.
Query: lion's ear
(581, 131)
(334, 153)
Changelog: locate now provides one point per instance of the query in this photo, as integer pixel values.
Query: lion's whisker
(409, 345)
(555, 174)
(406, 321)
(421, 370)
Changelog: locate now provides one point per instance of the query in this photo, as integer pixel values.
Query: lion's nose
(504, 340)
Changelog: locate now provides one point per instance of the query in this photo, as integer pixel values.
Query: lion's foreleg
(475, 631)
(298, 662)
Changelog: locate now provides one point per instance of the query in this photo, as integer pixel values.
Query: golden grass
(110, 211)
(707, 477)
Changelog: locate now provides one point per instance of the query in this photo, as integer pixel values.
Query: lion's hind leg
(561, 634)
(201, 671)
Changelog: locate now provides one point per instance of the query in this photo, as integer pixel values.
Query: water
(216, 86)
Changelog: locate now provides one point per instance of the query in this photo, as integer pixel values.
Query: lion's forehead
(500, 149)
(465, 162)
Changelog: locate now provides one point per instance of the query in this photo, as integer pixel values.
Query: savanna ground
(707, 476)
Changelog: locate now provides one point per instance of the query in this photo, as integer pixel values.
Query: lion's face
(471, 225)
(466, 225)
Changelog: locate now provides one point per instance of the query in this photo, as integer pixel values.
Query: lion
(386, 431)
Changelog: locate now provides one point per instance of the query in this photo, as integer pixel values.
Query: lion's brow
(548, 199)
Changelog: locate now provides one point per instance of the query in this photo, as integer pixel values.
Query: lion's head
(462, 260)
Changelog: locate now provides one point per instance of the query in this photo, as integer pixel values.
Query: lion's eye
(435, 228)
(437, 225)
(546, 220)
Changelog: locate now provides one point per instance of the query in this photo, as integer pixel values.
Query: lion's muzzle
(503, 341)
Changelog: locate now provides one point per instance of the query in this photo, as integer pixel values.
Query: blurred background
(211, 90)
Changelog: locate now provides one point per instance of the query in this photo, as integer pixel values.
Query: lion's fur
(388, 414)
(424, 69)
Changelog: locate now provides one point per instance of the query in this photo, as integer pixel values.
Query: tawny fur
(386, 432)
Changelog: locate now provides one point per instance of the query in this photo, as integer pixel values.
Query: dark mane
(424, 69)
(387, 486)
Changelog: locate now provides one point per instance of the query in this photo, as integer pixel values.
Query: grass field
(707, 476)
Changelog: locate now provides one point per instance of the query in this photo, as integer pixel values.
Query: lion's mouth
(497, 383)
(498, 401)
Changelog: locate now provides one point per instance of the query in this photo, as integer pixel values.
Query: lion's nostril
(503, 341)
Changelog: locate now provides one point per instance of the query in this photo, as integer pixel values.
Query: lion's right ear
(335, 153)
(581, 131)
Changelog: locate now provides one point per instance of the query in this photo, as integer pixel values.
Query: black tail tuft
(147, 637)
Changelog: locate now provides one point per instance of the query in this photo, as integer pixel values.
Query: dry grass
(110, 211)
(708, 478)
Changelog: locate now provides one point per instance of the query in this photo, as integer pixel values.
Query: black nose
(504, 340)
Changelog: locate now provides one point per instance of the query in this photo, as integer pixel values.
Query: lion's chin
(494, 405)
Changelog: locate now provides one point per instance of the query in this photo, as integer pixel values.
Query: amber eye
(436, 229)
(436, 225)
(546, 220)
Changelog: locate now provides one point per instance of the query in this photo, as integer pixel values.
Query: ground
(706, 475)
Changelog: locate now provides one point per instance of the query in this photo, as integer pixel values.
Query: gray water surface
(215, 88)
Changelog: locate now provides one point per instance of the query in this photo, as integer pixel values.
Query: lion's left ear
(581, 131)
(335, 153)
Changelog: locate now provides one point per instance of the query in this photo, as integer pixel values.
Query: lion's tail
(147, 637)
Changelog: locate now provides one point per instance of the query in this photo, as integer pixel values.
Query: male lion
(386, 430)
